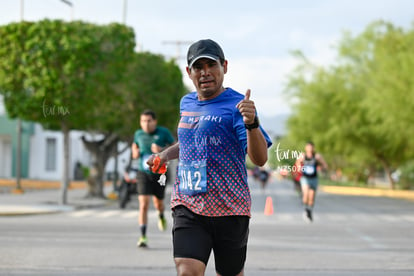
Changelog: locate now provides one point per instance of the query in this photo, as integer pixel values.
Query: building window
(50, 154)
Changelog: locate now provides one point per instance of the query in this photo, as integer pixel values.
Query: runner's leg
(311, 197)
(307, 215)
(144, 201)
(159, 205)
(230, 244)
(305, 193)
(187, 266)
(192, 242)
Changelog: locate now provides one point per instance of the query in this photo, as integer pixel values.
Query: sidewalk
(372, 192)
(43, 197)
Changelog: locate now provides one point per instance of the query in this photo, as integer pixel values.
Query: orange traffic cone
(269, 206)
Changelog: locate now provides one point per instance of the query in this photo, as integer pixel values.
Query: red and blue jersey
(211, 174)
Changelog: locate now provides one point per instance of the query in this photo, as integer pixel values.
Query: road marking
(130, 214)
(372, 242)
(107, 214)
(285, 217)
(389, 218)
(80, 214)
(336, 217)
(360, 217)
(408, 217)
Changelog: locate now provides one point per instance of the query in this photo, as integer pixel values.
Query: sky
(256, 36)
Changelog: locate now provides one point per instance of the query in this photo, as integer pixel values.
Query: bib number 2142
(193, 177)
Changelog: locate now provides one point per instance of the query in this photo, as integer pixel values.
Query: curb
(24, 210)
(44, 184)
(41, 184)
(359, 191)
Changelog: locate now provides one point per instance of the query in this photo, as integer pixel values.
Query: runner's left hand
(247, 108)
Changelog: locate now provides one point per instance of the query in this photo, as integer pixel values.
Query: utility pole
(178, 44)
(124, 13)
(69, 3)
(18, 189)
(21, 9)
(66, 142)
(114, 194)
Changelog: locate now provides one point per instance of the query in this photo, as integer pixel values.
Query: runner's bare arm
(135, 151)
(256, 142)
(321, 161)
(256, 146)
(166, 155)
(157, 149)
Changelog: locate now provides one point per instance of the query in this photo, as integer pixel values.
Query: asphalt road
(350, 236)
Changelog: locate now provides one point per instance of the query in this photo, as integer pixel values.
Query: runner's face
(148, 124)
(309, 149)
(207, 76)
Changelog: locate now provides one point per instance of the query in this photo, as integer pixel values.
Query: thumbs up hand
(247, 108)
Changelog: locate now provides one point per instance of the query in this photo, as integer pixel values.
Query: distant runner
(148, 140)
(311, 162)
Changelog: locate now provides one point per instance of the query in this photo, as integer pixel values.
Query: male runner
(211, 198)
(311, 162)
(148, 140)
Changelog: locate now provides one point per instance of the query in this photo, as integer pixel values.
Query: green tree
(359, 110)
(60, 74)
(149, 82)
(152, 83)
(86, 77)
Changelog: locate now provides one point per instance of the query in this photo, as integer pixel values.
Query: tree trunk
(101, 151)
(19, 155)
(100, 178)
(387, 170)
(95, 181)
(65, 175)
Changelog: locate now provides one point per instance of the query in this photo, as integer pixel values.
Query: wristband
(254, 125)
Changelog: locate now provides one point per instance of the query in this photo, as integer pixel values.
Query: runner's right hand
(150, 161)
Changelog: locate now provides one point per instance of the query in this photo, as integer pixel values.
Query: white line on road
(389, 218)
(130, 214)
(408, 217)
(285, 217)
(372, 242)
(107, 214)
(79, 214)
(336, 217)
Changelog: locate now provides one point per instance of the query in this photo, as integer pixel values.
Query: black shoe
(309, 214)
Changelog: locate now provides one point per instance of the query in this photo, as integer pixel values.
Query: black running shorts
(147, 184)
(194, 236)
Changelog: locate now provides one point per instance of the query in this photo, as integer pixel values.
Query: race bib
(144, 160)
(193, 177)
(309, 170)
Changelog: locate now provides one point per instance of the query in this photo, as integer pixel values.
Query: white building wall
(78, 153)
(38, 144)
(5, 156)
(37, 155)
(123, 160)
(2, 107)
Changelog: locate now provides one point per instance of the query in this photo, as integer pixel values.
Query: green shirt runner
(161, 136)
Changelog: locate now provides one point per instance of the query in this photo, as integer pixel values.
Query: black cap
(205, 48)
